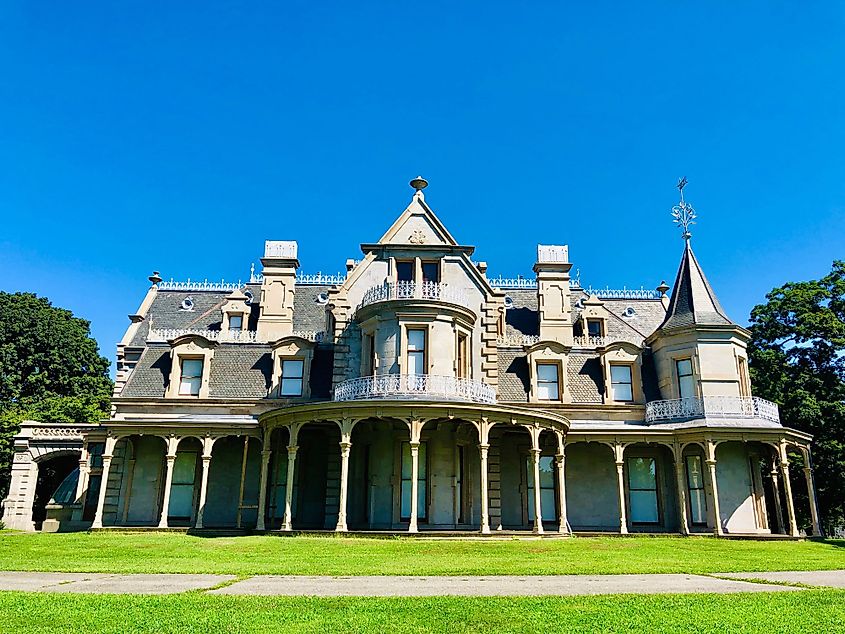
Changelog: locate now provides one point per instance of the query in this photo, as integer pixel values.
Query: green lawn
(807, 611)
(176, 552)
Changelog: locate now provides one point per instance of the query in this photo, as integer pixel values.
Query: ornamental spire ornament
(683, 214)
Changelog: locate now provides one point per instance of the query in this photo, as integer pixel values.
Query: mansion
(415, 393)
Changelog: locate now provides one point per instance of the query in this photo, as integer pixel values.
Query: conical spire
(693, 301)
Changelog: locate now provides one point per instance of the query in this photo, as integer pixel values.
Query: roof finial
(155, 278)
(419, 184)
(683, 213)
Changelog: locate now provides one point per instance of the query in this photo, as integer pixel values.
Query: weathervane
(683, 213)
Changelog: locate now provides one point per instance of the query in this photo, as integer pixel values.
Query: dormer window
(236, 322)
(548, 381)
(595, 328)
(621, 382)
(191, 378)
(291, 380)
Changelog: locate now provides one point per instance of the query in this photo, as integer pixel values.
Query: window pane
(695, 477)
(431, 272)
(698, 506)
(620, 373)
(686, 387)
(642, 473)
(405, 271)
(291, 387)
(292, 368)
(644, 507)
(236, 322)
(547, 372)
(547, 472)
(190, 386)
(547, 391)
(191, 368)
(684, 367)
(622, 392)
(416, 339)
(594, 327)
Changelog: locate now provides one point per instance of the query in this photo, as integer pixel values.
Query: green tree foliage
(797, 359)
(50, 370)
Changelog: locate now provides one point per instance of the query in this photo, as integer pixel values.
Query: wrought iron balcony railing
(160, 335)
(414, 386)
(711, 407)
(412, 290)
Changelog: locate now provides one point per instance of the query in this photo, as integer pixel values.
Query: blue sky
(179, 136)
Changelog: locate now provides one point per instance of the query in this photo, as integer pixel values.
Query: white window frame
(283, 378)
(558, 387)
(630, 383)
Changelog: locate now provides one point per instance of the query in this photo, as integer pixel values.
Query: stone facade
(417, 393)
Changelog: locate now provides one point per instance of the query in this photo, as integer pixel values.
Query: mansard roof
(693, 302)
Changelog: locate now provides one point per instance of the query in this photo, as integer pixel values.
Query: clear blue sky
(179, 136)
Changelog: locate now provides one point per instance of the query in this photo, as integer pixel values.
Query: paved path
(562, 585)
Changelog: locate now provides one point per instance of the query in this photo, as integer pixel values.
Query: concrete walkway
(562, 585)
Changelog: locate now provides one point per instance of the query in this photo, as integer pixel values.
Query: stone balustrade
(414, 386)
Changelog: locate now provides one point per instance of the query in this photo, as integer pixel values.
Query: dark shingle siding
(308, 314)
(513, 376)
(586, 384)
(240, 371)
(523, 318)
(151, 374)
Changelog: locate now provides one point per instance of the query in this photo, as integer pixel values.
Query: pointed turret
(693, 302)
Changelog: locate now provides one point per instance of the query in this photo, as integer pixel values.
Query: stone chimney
(553, 298)
(280, 262)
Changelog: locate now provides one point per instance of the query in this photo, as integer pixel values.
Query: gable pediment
(418, 226)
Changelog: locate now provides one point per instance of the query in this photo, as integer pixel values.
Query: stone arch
(55, 468)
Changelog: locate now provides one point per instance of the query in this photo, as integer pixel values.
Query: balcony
(732, 407)
(432, 291)
(426, 387)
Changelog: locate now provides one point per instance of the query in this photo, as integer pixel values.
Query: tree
(797, 359)
(50, 370)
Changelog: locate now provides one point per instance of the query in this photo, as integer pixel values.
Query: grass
(177, 552)
(806, 611)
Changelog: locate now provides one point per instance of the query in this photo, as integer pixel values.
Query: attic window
(508, 302)
(594, 328)
(187, 304)
(322, 298)
(249, 296)
(629, 312)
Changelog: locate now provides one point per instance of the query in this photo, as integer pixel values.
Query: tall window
(182, 486)
(463, 356)
(370, 351)
(431, 272)
(548, 511)
(291, 382)
(416, 351)
(236, 322)
(548, 381)
(686, 381)
(621, 384)
(743, 377)
(695, 485)
(189, 384)
(405, 270)
(594, 328)
(642, 488)
(422, 470)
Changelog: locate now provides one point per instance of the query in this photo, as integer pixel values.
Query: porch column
(207, 446)
(266, 451)
(485, 511)
(172, 444)
(776, 496)
(680, 480)
(710, 449)
(787, 490)
(811, 491)
(82, 483)
(286, 519)
(111, 441)
(538, 515)
(345, 447)
(619, 454)
(415, 471)
(560, 466)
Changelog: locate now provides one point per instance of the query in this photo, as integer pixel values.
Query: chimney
(279, 264)
(553, 298)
